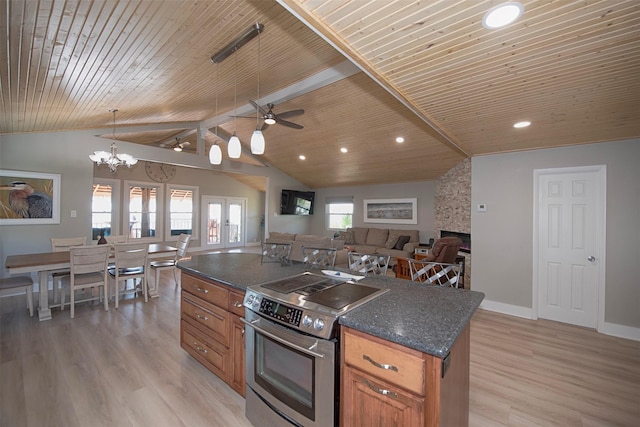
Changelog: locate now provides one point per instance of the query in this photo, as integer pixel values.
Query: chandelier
(113, 159)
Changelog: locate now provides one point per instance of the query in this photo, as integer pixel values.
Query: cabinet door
(369, 402)
(237, 374)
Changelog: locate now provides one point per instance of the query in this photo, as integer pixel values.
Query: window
(104, 207)
(143, 217)
(182, 210)
(340, 212)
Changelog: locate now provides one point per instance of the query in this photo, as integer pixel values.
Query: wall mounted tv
(293, 202)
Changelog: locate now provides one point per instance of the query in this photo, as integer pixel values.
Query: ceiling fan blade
(243, 117)
(255, 104)
(264, 127)
(290, 114)
(289, 124)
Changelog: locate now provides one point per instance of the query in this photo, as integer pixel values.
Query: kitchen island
(404, 355)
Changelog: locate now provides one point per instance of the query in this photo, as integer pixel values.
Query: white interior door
(570, 244)
(223, 222)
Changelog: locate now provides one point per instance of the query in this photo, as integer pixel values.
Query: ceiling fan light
(177, 148)
(215, 155)
(257, 142)
(234, 147)
(270, 121)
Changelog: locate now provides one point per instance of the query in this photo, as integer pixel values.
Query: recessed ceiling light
(502, 14)
(399, 140)
(522, 124)
(302, 157)
(343, 150)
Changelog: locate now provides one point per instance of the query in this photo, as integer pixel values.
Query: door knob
(591, 258)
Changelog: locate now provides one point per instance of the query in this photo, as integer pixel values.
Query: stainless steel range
(292, 348)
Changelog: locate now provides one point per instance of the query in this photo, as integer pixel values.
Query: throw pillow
(392, 240)
(402, 240)
(347, 236)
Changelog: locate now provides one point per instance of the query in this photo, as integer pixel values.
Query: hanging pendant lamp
(215, 153)
(257, 138)
(234, 147)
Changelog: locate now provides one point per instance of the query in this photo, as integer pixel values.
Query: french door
(223, 222)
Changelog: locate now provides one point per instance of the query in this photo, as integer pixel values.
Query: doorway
(224, 221)
(569, 245)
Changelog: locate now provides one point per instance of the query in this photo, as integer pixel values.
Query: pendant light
(215, 153)
(234, 147)
(113, 159)
(257, 139)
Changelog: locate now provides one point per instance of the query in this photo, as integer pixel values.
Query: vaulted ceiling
(364, 71)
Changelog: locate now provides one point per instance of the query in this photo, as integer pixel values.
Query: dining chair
(116, 238)
(88, 270)
(369, 264)
(435, 273)
(17, 283)
(319, 257)
(63, 244)
(166, 264)
(131, 263)
(276, 252)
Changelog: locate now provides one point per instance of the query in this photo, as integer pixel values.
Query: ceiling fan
(178, 146)
(271, 118)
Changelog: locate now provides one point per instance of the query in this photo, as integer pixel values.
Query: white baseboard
(512, 310)
(620, 331)
(613, 329)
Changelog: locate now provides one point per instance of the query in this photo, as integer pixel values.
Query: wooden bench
(16, 283)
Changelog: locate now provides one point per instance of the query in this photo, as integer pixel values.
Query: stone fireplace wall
(453, 205)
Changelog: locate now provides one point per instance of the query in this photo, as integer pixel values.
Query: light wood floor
(125, 367)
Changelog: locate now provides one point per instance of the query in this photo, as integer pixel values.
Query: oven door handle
(280, 340)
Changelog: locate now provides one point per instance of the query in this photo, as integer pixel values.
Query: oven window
(287, 374)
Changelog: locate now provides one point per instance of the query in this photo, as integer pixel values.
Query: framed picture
(391, 211)
(28, 198)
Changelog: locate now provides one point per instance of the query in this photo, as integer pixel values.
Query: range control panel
(281, 312)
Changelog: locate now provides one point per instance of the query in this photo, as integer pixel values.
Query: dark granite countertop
(238, 270)
(425, 318)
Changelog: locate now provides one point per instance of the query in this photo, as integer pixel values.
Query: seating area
(89, 266)
(15, 284)
(171, 264)
(131, 261)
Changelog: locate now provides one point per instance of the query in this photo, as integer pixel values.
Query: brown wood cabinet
(384, 383)
(211, 330)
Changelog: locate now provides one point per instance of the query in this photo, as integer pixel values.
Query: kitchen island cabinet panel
(389, 391)
(368, 401)
(388, 361)
(237, 378)
(213, 355)
(213, 320)
(210, 328)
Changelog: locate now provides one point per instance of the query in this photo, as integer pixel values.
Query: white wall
(424, 191)
(66, 153)
(502, 237)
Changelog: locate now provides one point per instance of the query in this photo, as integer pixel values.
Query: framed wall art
(391, 211)
(28, 198)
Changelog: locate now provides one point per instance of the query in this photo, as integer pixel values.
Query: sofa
(384, 241)
(299, 240)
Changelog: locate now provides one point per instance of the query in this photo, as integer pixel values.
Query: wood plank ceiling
(432, 74)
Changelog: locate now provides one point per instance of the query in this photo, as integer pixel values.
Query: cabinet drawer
(235, 303)
(208, 291)
(387, 361)
(202, 314)
(210, 353)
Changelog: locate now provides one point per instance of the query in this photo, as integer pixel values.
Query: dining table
(46, 262)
